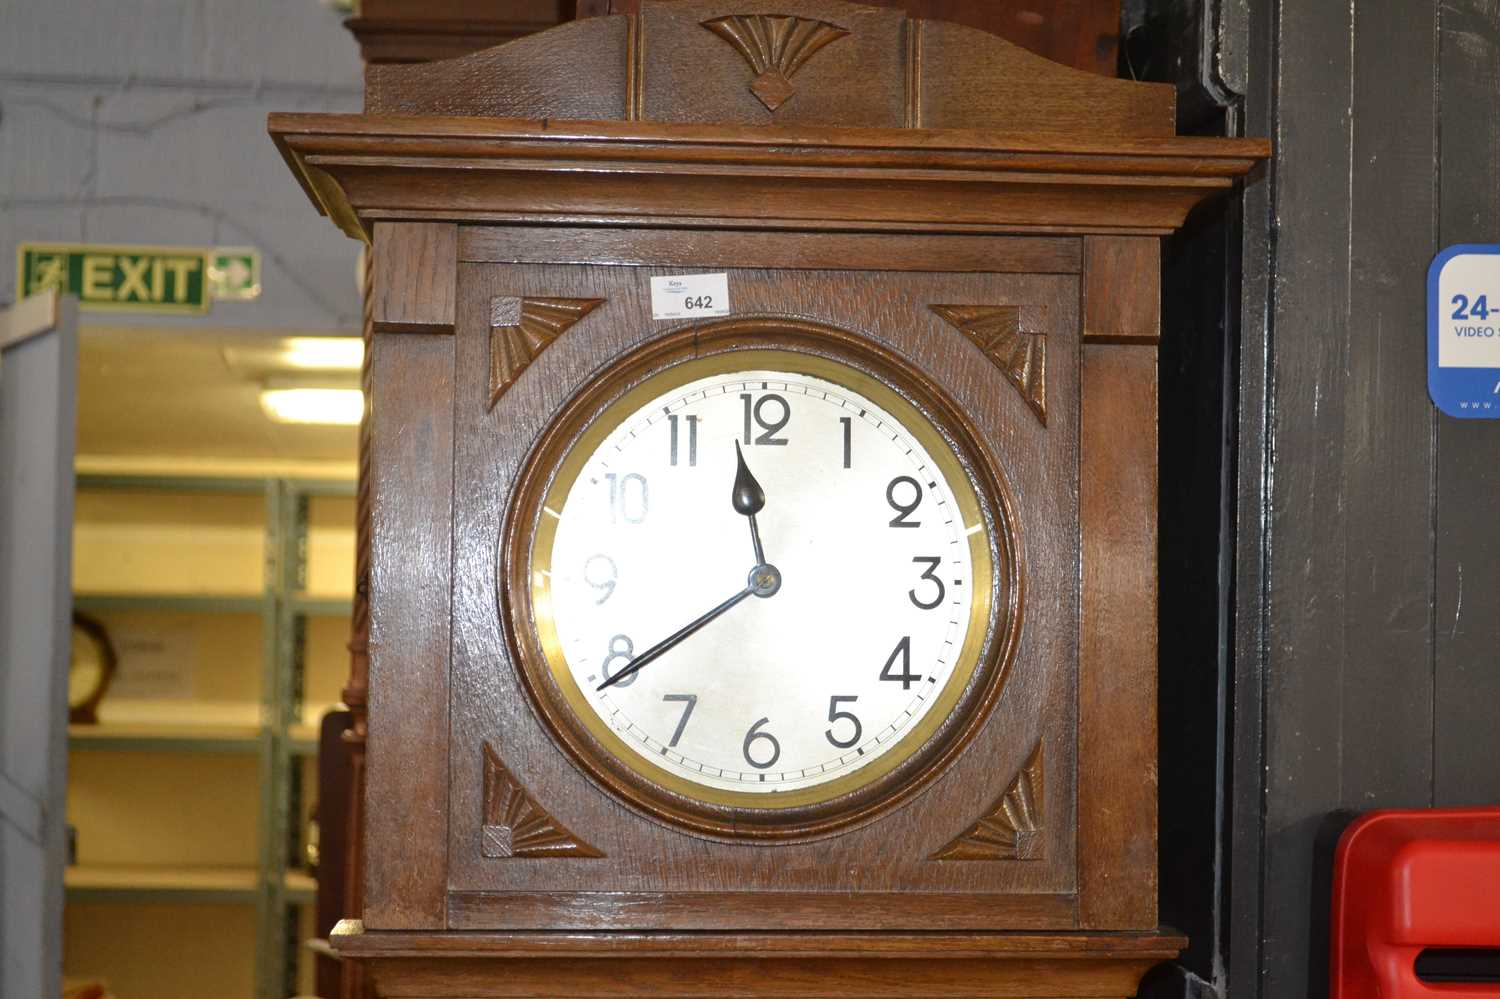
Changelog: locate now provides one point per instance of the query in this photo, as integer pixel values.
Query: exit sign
(138, 278)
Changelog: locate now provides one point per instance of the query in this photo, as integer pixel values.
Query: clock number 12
(771, 413)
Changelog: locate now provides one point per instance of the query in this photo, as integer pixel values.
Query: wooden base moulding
(756, 965)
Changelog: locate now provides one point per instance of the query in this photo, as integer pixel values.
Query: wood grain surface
(360, 170)
(877, 167)
(406, 766)
(407, 31)
(413, 264)
(1375, 661)
(1117, 654)
(1466, 741)
(702, 965)
(1083, 34)
(1122, 278)
(644, 856)
(662, 64)
(791, 251)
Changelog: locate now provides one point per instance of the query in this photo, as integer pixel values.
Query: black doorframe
(1213, 415)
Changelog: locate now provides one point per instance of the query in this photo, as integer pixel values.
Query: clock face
(762, 579)
(85, 669)
(90, 669)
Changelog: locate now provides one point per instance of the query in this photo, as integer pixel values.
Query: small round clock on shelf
(763, 581)
(90, 670)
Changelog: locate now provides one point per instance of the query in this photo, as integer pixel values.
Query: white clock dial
(841, 649)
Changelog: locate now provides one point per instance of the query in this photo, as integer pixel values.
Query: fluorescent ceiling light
(323, 353)
(335, 406)
(255, 356)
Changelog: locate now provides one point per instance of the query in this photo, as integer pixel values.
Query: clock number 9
(932, 563)
(835, 715)
(904, 510)
(606, 585)
(754, 736)
(769, 427)
(620, 647)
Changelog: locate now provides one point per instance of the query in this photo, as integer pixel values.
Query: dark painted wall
(1354, 636)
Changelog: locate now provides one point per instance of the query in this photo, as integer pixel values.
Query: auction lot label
(1463, 331)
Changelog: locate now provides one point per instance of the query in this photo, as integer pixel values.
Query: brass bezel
(821, 352)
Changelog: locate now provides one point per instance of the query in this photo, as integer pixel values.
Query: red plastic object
(1404, 881)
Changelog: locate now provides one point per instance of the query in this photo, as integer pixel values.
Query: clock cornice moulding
(363, 169)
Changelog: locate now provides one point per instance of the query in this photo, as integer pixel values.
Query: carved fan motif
(1012, 829)
(1011, 337)
(775, 46)
(521, 328)
(515, 825)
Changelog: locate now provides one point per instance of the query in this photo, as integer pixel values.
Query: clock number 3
(932, 562)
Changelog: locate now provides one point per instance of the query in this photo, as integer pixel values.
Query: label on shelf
(156, 663)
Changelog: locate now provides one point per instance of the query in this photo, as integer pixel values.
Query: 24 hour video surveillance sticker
(1463, 331)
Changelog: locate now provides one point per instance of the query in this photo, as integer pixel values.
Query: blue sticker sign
(1463, 331)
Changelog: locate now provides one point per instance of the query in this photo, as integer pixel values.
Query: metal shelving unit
(279, 740)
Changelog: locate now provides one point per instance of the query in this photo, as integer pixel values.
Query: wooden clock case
(980, 219)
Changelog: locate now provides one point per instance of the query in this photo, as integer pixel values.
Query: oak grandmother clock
(790, 633)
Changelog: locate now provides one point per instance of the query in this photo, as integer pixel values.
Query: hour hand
(749, 499)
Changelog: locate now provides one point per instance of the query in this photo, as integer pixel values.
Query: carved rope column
(356, 691)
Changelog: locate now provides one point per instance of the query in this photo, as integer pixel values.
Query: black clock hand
(764, 581)
(749, 499)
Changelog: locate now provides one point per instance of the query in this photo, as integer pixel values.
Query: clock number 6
(932, 563)
(835, 715)
(755, 735)
(904, 510)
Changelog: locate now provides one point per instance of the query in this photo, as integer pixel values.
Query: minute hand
(669, 643)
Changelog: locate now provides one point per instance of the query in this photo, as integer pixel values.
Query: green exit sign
(138, 278)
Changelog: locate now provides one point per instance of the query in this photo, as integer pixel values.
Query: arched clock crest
(726, 647)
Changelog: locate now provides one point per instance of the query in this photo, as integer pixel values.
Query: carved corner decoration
(515, 825)
(1012, 829)
(1012, 337)
(521, 328)
(775, 46)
